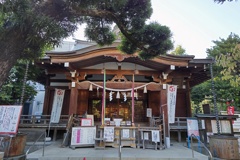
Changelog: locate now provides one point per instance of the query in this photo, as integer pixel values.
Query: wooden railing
(179, 126)
(42, 121)
(33, 121)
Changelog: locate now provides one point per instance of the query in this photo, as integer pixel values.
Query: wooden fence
(33, 121)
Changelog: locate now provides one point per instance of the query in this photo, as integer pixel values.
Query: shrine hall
(89, 70)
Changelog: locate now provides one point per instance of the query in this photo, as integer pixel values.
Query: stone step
(107, 158)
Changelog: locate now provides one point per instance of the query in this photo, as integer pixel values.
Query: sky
(194, 23)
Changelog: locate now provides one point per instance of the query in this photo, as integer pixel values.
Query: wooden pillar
(46, 100)
(164, 109)
(188, 99)
(46, 97)
(73, 101)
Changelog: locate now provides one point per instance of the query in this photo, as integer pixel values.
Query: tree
(179, 51)
(227, 56)
(226, 53)
(27, 26)
(11, 91)
(222, 1)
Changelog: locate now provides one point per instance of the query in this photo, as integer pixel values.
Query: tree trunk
(11, 49)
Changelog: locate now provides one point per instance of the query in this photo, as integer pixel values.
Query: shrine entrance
(118, 108)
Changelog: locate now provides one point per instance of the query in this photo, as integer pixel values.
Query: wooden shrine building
(80, 73)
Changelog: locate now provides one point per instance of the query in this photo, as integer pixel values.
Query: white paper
(125, 133)
(109, 134)
(155, 136)
(9, 118)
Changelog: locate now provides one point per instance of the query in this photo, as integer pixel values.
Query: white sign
(57, 105)
(83, 135)
(109, 134)
(9, 119)
(145, 135)
(117, 121)
(149, 112)
(92, 117)
(192, 127)
(171, 101)
(86, 122)
(125, 133)
(155, 136)
(225, 126)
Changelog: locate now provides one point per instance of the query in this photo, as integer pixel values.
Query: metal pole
(214, 101)
(44, 143)
(120, 147)
(192, 147)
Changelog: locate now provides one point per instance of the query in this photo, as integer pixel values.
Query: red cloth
(230, 110)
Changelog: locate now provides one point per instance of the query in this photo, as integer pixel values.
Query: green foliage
(226, 72)
(149, 40)
(179, 51)
(46, 22)
(200, 92)
(155, 40)
(25, 21)
(224, 46)
(102, 35)
(11, 91)
(28, 26)
(227, 57)
(230, 64)
(222, 1)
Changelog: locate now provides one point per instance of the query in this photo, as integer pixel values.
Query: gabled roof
(186, 66)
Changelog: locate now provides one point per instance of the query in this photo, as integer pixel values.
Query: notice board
(9, 118)
(192, 127)
(83, 136)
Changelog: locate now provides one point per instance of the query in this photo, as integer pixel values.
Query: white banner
(171, 101)
(57, 105)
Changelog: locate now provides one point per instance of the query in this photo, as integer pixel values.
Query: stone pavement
(177, 151)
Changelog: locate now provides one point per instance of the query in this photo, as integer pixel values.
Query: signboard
(83, 135)
(171, 102)
(109, 134)
(125, 133)
(155, 136)
(9, 118)
(149, 112)
(92, 117)
(86, 122)
(117, 121)
(225, 126)
(192, 127)
(57, 105)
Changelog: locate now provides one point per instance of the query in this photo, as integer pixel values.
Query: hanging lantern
(145, 89)
(90, 87)
(125, 97)
(118, 95)
(97, 91)
(136, 95)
